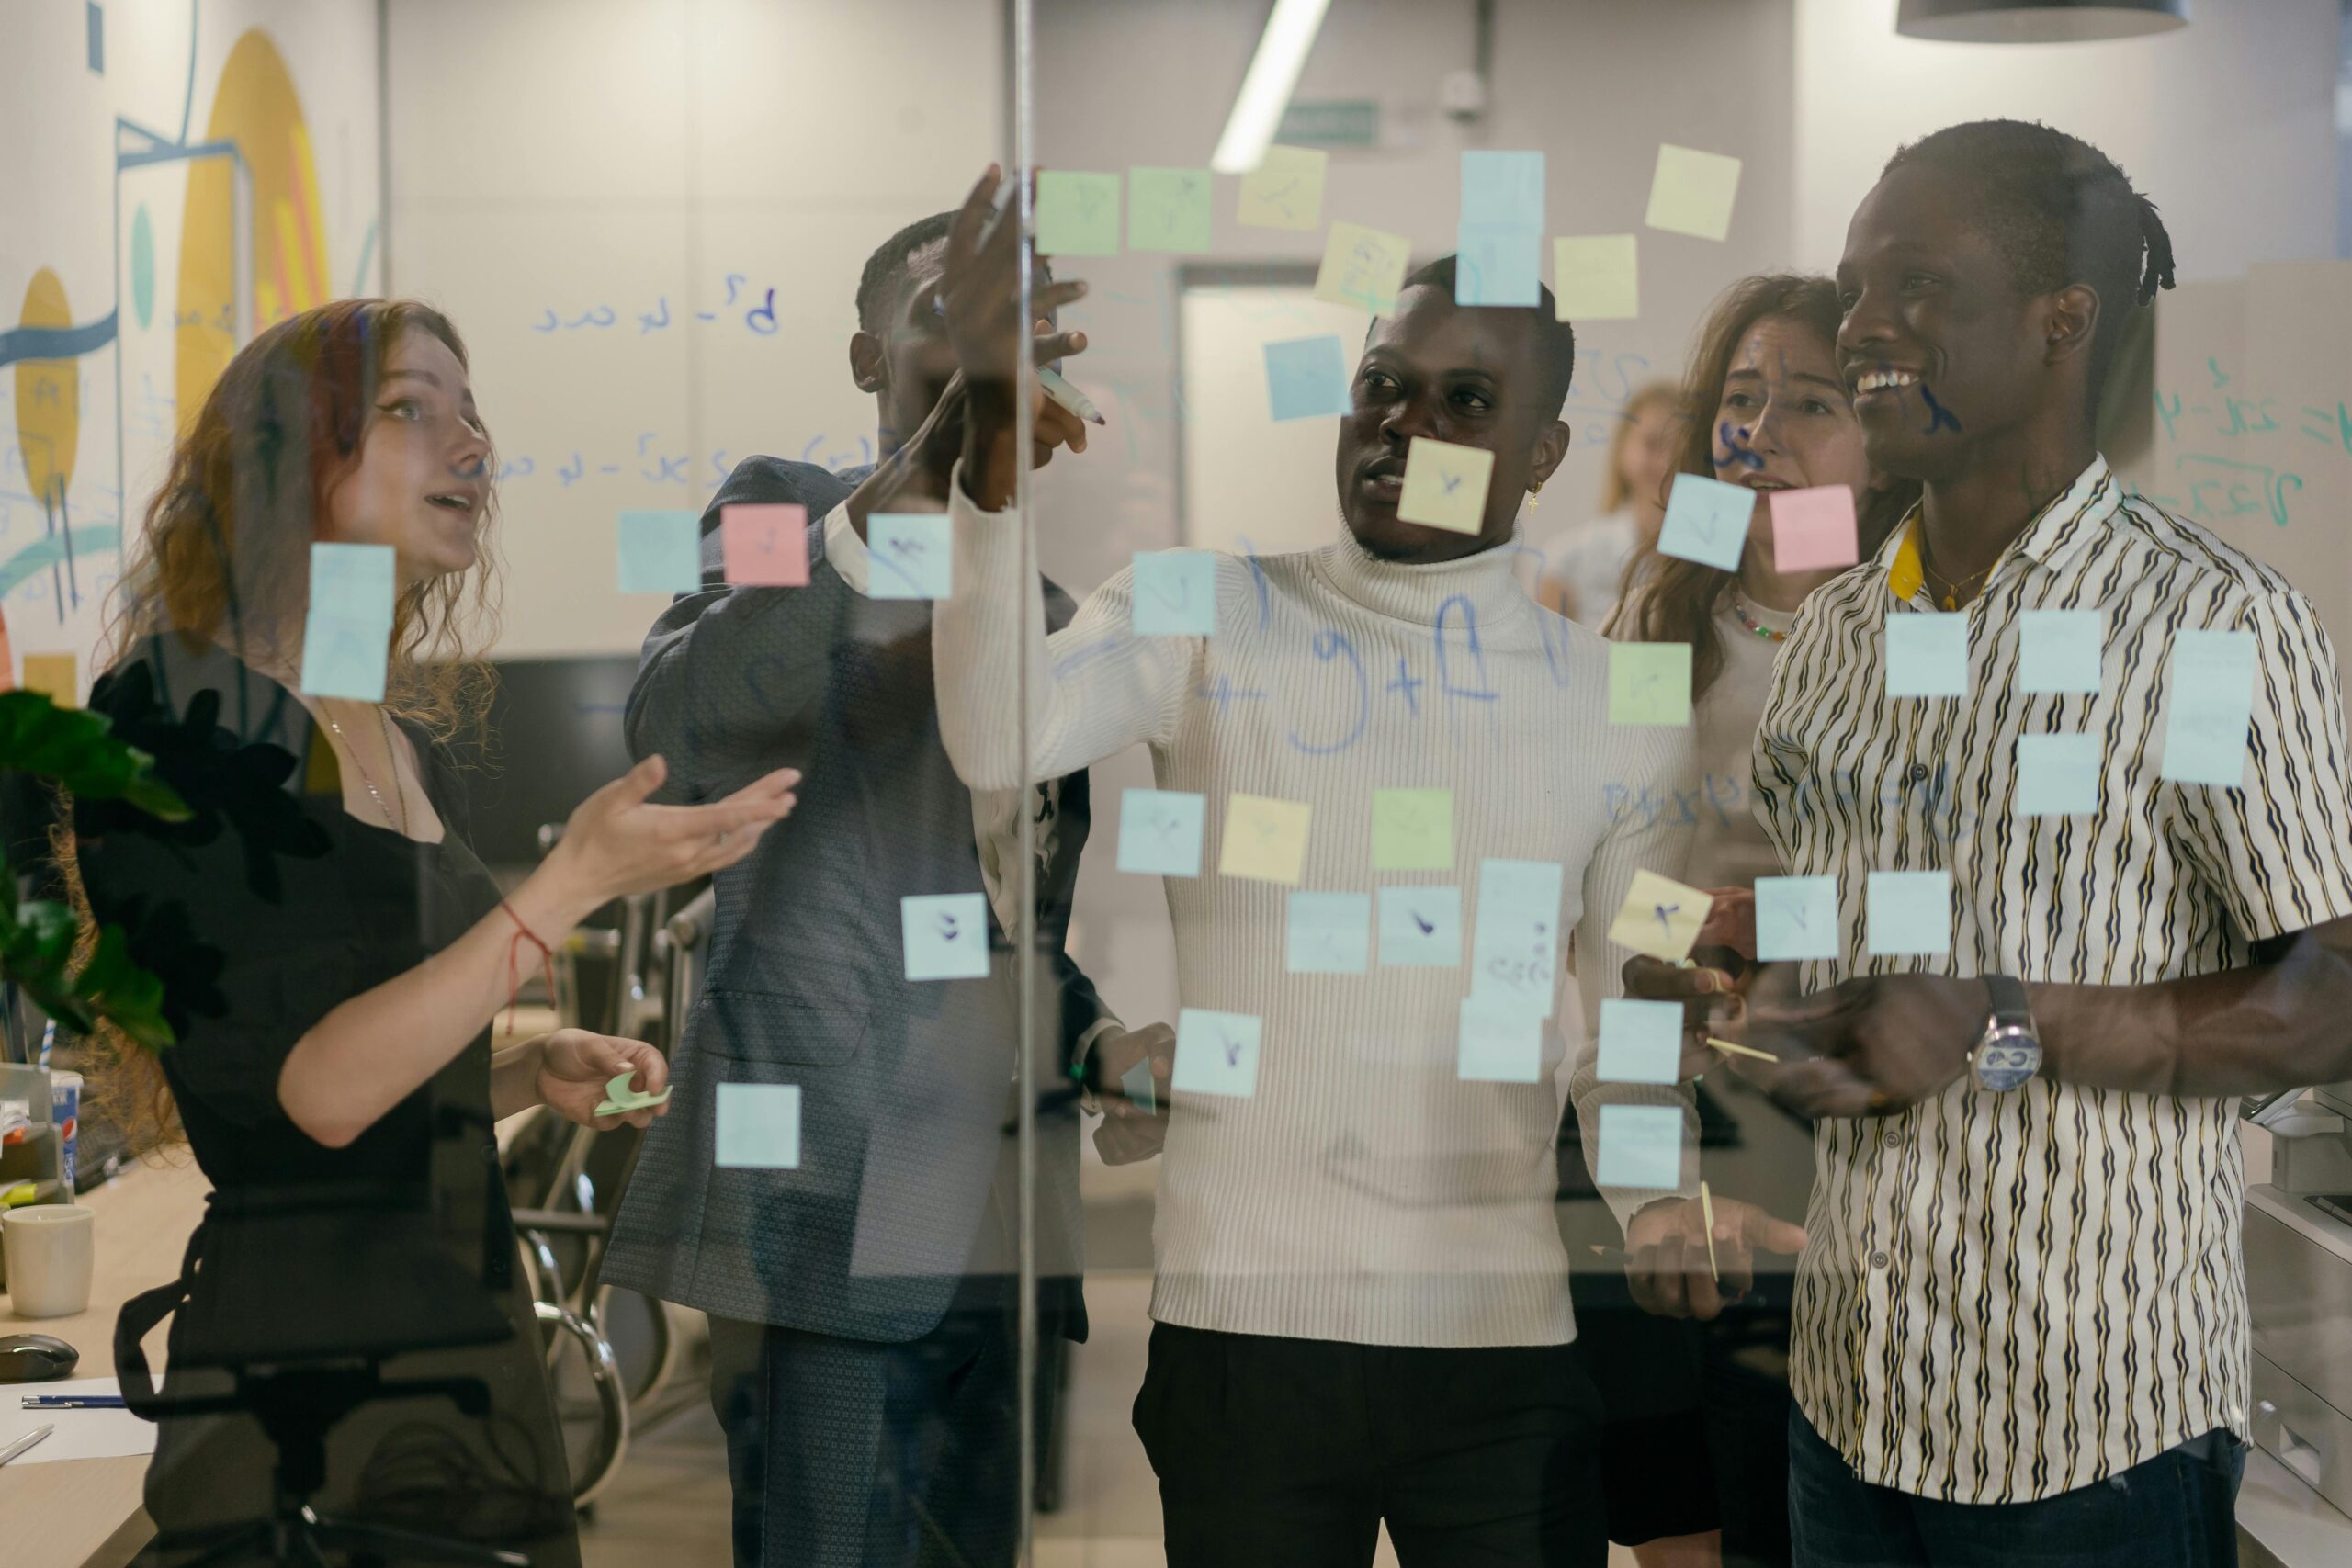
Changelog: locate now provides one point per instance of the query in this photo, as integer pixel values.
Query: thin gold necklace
(1952, 585)
(402, 826)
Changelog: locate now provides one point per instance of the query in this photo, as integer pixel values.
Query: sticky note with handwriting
(1329, 933)
(1286, 190)
(1175, 593)
(1412, 829)
(1265, 839)
(2057, 775)
(1813, 529)
(2060, 650)
(1217, 1052)
(347, 632)
(758, 1126)
(52, 676)
(661, 552)
(1660, 916)
(1796, 916)
(1168, 210)
(1420, 928)
(910, 555)
(1927, 653)
(1497, 1042)
(1706, 519)
(946, 935)
(2211, 705)
(1640, 1145)
(1307, 378)
(1077, 213)
(1363, 267)
(1515, 949)
(1596, 277)
(766, 545)
(1649, 682)
(1909, 912)
(1446, 485)
(1159, 832)
(1497, 264)
(1691, 192)
(1640, 1042)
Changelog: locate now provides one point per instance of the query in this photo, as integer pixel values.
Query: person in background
(332, 951)
(864, 1304)
(1771, 412)
(1583, 562)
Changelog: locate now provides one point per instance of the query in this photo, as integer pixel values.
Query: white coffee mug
(50, 1248)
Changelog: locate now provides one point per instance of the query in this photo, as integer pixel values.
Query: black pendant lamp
(2038, 21)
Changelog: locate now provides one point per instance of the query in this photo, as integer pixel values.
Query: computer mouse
(35, 1358)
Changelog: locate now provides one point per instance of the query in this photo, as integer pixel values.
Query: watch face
(2004, 1063)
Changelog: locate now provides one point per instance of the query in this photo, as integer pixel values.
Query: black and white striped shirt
(2006, 1296)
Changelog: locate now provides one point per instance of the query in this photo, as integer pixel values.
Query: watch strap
(2008, 999)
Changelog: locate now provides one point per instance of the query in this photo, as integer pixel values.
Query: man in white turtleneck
(1361, 1300)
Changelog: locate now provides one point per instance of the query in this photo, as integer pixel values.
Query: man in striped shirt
(2020, 741)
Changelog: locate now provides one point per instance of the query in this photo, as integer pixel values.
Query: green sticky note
(1910, 913)
(1691, 192)
(1446, 485)
(1077, 213)
(1329, 933)
(1926, 654)
(2057, 775)
(619, 1097)
(2059, 651)
(1640, 1145)
(758, 1126)
(1498, 1043)
(2211, 702)
(1420, 928)
(1168, 210)
(1412, 829)
(1649, 682)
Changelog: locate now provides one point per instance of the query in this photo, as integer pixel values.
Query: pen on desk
(74, 1401)
(28, 1440)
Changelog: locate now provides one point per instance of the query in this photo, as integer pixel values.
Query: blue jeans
(2176, 1510)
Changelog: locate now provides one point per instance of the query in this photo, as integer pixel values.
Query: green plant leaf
(72, 746)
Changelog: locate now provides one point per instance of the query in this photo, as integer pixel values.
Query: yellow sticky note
(1264, 838)
(1446, 485)
(1412, 829)
(1595, 277)
(1362, 267)
(52, 676)
(1660, 916)
(1286, 190)
(1649, 682)
(1691, 193)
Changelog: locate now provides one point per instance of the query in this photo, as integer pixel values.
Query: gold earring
(1533, 492)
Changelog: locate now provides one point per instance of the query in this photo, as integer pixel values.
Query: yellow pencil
(1737, 1050)
(1707, 1211)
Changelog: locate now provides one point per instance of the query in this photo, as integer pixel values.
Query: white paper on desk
(81, 1434)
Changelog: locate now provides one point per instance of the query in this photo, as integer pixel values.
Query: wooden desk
(86, 1513)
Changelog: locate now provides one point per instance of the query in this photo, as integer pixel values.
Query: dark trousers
(1291, 1452)
(2176, 1510)
(846, 1453)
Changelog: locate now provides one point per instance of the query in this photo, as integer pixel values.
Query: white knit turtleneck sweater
(1363, 1193)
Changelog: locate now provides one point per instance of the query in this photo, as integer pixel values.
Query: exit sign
(1330, 123)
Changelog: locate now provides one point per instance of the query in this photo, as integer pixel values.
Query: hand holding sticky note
(1660, 916)
(1446, 485)
(620, 1099)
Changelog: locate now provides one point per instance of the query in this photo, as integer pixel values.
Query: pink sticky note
(1813, 528)
(765, 545)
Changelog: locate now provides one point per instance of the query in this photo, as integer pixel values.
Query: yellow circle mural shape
(256, 107)
(48, 398)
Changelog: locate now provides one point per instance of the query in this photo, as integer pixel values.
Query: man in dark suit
(863, 1300)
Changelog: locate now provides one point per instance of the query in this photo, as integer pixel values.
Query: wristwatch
(2010, 1050)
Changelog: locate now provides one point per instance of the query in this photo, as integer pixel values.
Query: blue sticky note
(1796, 916)
(1217, 1052)
(2211, 704)
(1329, 933)
(1175, 593)
(1640, 1145)
(910, 555)
(2057, 775)
(946, 935)
(759, 1126)
(1926, 654)
(2058, 650)
(1159, 832)
(1498, 264)
(1137, 1083)
(1515, 951)
(1640, 1042)
(1498, 1043)
(1910, 913)
(1420, 928)
(1307, 376)
(661, 552)
(348, 633)
(1503, 189)
(1706, 519)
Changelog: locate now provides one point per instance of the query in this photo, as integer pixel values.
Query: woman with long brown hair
(333, 953)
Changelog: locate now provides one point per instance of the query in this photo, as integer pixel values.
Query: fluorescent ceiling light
(1265, 91)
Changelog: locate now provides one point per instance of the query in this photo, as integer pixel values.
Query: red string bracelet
(524, 934)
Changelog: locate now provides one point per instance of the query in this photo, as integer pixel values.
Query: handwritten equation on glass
(750, 307)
